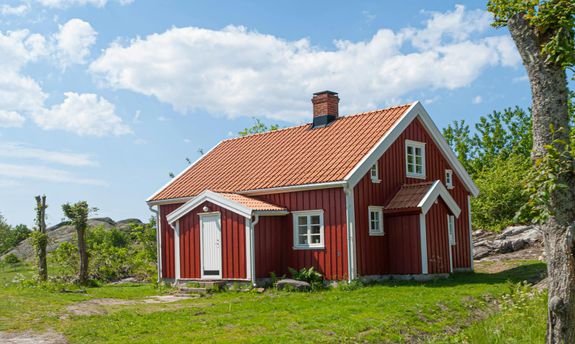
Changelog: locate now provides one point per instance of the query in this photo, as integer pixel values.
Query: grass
(390, 312)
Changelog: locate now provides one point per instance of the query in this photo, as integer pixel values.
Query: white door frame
(219, 223)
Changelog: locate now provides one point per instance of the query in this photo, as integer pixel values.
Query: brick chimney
(325, 108)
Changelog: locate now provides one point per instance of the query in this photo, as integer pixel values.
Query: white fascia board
(355, 175)
(292, 188)
(436, 190)
(415, 110)
(181, 173)
(213, 198)
(169, 201)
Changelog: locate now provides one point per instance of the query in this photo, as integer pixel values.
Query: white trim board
(437, 189)
(423, 243)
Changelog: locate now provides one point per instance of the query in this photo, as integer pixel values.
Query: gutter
(158, 242)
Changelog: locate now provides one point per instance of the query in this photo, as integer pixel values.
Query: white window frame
(381, 229)
(414, 145)
(374, 176)
(451, 229)
(449, 179)
(308, 214)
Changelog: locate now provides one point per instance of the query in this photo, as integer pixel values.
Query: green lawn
(458, 309)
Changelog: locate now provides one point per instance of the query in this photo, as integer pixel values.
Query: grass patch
(391, 312)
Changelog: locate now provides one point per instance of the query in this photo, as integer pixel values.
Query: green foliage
(258, 127)
(11, 259)
(309, 275)
(66, 258)
(10, 236)
(78, 213)
(38, 239)
(501, 195)
(545, 179)
(554, 21)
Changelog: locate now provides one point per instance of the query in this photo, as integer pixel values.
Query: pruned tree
(258, 127)
(544, 31)
(40, 238)
(78, 214)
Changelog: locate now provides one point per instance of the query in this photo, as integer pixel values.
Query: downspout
(158, 242)
(256, 219)
(350, 218)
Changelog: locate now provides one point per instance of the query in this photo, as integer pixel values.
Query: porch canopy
(418, 198)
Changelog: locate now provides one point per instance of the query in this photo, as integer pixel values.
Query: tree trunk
(83, 275)
(550, 107)
(41, 254)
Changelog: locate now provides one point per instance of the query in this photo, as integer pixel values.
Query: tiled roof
(409, 196)
(287, 157)
(252, 203)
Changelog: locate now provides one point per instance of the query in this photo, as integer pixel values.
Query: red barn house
(374, 194)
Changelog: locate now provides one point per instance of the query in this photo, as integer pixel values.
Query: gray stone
(298, 285)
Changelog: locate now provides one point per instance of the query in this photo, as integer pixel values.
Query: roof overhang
(438, 190)
(219, 200)
(416, 110)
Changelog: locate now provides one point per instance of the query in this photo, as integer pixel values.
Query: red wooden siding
(437, 238)
(167, 237)
(404, 249)
(233, 243)
(330, 261)
(391, 166)
(270, 236)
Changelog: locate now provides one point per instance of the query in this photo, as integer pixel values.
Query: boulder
(511, 239)
(295, 284)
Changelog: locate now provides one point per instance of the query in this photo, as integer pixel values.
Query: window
(451, 229)
(449, 179)
(308, 229)
(375, 221)
(415, 159)
(374, 173)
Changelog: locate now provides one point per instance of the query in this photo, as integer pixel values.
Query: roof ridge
(418, 184)
(308, 123)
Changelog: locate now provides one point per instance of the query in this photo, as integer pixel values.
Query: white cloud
(8, 183)
(236, 72)
(73, 42)
(11, 119)
(19, 10)
(477, 100)
(44, 173)
(76, 3)
(22, 151)
(82, 114)
(140, 141)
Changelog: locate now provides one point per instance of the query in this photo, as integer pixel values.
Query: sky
(101, 99)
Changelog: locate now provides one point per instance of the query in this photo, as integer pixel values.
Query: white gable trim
(436, 190)
(415, 110)
(213, 198)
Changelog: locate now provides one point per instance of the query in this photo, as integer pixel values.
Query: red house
(376, 194)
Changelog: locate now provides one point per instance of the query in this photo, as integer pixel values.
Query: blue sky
(101, 99)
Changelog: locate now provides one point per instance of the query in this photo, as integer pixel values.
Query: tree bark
(41, 254)
(83, 272)
(550, 107)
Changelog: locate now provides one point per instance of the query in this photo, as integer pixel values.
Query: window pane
(376, 215)
(418, 160)
(410, 168)
(302, 240)
(409, 150)
(315, 229)
(302, 220)
(315, 220)
(302, 230)
(410, 159)
(418, 151)
(419, 169)
(316, 239)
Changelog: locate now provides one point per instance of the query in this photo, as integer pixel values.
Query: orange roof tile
(409, 196)
(287, 157)
(252, 203)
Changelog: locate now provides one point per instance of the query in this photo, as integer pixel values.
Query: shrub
(11, 259)
(309, 275)
(66, 259)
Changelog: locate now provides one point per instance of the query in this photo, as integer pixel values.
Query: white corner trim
(470, 229)
(253, 248)
(350, 218)
(423, 243)
(248, 248)
(437, 189)
(355, 175)
(184, 171)
(177, 251)
(415, 110)
(212, 197)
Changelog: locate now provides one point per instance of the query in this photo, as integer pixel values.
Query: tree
(78, 214)
(544, 33)
(40, 238)
(258, 127)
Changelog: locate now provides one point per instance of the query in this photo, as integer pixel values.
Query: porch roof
(421, 197)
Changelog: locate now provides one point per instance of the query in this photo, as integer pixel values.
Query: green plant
(66, 258)
(11, 259)
(309, 275)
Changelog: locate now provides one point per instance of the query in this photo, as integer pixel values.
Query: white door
(211, 246)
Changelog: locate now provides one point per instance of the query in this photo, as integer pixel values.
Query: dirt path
(102, 306)
(29, 337)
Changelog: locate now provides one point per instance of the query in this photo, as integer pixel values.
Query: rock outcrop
(513, 239)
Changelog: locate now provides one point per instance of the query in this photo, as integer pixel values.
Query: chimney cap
(325, 92)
